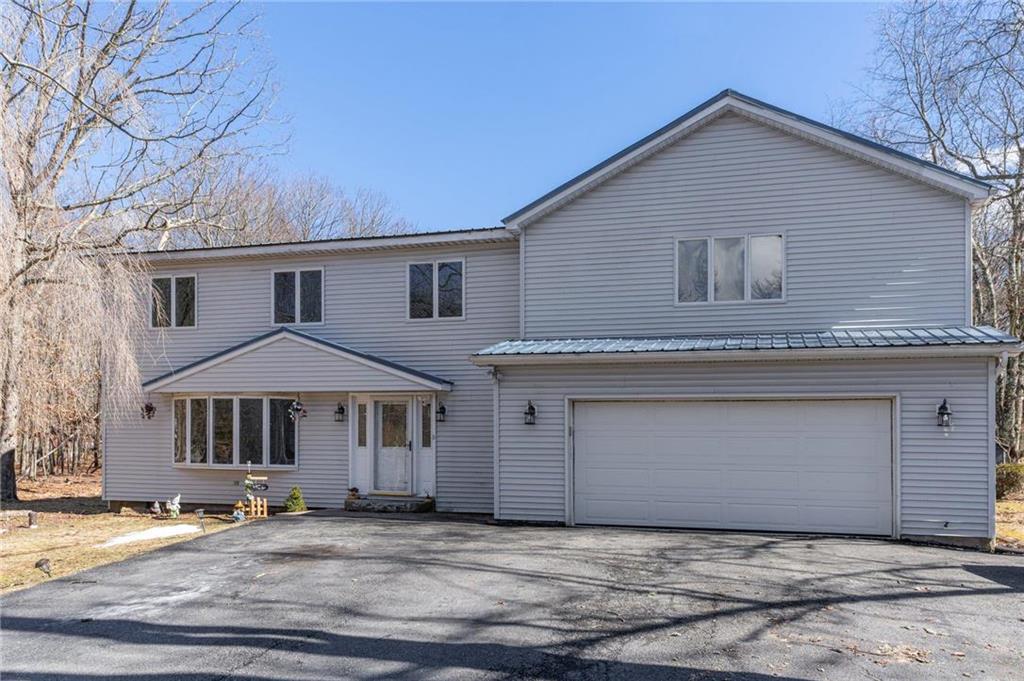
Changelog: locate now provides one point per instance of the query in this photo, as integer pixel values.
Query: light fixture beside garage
(944, 415)
(530, 415)
(339, 413)
(441, 413)
(148, 410)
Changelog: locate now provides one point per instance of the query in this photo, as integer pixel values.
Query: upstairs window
(730, 269)
(437, 290)
(298, 297)
(172, 302)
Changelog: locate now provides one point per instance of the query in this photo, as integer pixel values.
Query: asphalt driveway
(373, 598)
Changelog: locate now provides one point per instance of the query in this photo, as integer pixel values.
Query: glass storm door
(392, 461)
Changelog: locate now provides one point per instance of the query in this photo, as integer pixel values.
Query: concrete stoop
(389, 504)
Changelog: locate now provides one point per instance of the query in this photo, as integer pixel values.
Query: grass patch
(73, 522)
(1010, 523)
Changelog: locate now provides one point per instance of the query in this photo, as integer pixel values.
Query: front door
(392, 461)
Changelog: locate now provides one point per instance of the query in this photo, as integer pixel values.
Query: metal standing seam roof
(783, 340)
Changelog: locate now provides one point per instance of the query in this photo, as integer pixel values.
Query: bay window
(223, 431)
(198, 437)
(250, 430)
(180, 430)
(282, 433)
(730, 268)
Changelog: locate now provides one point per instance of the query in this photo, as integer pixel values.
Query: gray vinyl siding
(864, 246)
(365, 309)
(140, 466)
(945, 479)
(290, 366)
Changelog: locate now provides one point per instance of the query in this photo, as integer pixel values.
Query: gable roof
(392, 374)
(731, 101)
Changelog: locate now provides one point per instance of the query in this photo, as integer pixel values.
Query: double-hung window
(298, 296)
(730, 268)
(436, 290)
(234, 431)
(172, 301)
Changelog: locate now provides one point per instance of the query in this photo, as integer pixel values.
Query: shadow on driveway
(1008, 575)
(425, 658)
(382, 598)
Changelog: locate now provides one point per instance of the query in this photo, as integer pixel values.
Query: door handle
(409, 445)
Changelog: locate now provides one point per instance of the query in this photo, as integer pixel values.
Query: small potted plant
(294, 503)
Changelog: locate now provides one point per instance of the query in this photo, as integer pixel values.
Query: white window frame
(747, 299)
(435, 263)
(296, 271)
(235, 464)
(431, 404)
(174, 300)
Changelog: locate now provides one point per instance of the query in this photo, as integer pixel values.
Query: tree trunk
(8, 478)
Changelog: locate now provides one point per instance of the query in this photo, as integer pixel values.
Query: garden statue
(174, 506)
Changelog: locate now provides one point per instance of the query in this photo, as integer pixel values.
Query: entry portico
(389, 410)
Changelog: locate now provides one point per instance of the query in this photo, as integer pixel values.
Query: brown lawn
(73, 521)
(1010, 522)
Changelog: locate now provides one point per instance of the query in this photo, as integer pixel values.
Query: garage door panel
(853, 519)
(616, 511)
(767, 417)
(676, 481)
(614, 477)
(846, 449)
(663, 414)
(761, 482)
(686, 513)
(767, 516)
(746, 450)
(784, 465)
(845, 485)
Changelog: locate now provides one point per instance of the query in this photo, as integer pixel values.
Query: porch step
(388, 504)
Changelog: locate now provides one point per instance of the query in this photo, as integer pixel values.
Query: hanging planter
(297, 410)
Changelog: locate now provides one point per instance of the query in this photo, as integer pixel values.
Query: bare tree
(112, 117)
(258, 207)
(948, 86)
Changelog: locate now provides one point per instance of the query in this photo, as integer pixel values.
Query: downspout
(522, 282)
(496, 427)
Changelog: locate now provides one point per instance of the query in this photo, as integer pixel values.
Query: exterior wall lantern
(530, 415)
(944, 415)
(148, 411)
(297, 410)
(339, 413)
(441, 413)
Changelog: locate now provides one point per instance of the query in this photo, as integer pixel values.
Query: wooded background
(124, 127)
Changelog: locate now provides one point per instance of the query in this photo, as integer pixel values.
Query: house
(746, 320)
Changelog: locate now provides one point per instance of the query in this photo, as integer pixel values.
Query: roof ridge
(729, 93)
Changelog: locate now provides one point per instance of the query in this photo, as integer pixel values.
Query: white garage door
(784, 465)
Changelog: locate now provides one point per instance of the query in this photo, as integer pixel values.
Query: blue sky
(462, 113)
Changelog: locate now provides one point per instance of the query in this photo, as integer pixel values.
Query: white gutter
(332, 246)
(824, 354)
